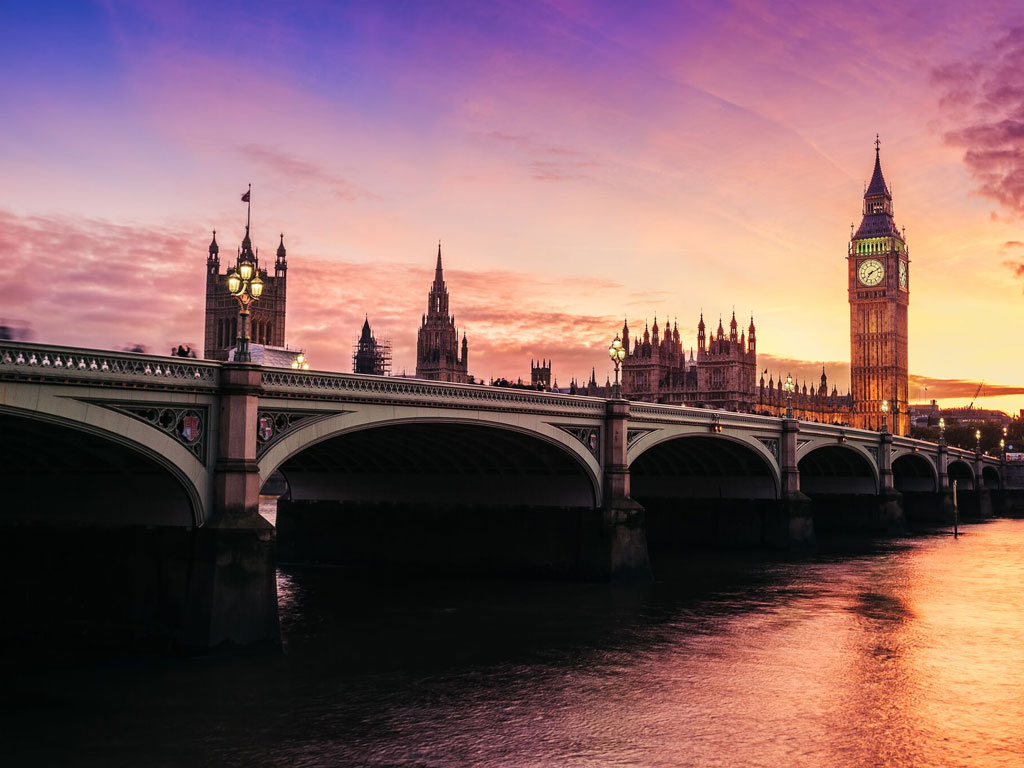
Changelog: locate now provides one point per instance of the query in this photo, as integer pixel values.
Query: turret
(281, 263)
(733, 336)
(625, 335)
(700, 333)
(751, 342)
(654, 332)
(213, 260)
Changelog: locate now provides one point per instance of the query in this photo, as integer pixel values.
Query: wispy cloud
(544, 161)
(297, 170)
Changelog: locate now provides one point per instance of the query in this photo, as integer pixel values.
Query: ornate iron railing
(19, 360)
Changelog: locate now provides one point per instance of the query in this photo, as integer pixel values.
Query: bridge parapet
(391, 389)
(95, 367)
(683, 414)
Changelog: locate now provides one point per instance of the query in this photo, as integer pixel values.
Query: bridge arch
(838, 468)
(59, 472)
(698, 464)
(962, 472)
(378, 454)
(914, 473)
(990, 477)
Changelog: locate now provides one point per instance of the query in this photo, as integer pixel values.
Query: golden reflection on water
(910, 657)
(913, 657)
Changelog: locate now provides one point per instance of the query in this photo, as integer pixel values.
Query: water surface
(912, 655)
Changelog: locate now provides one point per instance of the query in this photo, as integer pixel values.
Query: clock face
(870, 272)
(904, 275)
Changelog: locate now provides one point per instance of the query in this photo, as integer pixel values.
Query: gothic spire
(877, 185)
(877, 218)
(214, 248)
(280, 248)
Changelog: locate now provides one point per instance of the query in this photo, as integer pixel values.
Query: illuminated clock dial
(904, 276)
(870, 272)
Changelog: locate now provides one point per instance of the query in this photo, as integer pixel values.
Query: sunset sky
(581, 162)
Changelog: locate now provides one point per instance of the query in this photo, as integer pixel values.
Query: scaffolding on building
(370, 354)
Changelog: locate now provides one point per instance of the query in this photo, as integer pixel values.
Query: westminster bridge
(142, 474)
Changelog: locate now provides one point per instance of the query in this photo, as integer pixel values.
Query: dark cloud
(983, 98)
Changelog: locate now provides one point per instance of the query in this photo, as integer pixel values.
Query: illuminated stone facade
(879, 292)
(722, 375)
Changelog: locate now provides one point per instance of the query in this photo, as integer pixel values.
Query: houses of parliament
(722, 375)
(722, 372)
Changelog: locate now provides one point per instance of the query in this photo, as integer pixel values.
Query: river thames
(911, 654)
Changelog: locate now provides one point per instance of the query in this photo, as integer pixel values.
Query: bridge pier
(232, 589)
(792, 527)
(622, 555)
(890, 501)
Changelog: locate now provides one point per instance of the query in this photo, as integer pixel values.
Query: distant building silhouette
(437, 345)
(370, 355)
(266, 316)
(540, 375)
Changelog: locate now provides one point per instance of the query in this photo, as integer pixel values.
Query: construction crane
(976, 393)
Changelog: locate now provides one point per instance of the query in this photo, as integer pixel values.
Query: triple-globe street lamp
(300, 363)
(885, 413)
(789, 386)
(246, 285)
(617, 353)
(942, 431)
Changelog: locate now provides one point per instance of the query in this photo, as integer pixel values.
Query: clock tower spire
(879, 292)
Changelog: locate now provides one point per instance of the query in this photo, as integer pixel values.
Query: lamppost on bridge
(245, 284)
(977, 441)
(942, 431)
(300, 363)
(885, 415)
(789, 388)
(1002, 450)
(617, 353)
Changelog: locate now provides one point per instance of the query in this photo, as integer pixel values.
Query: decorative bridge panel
(273, 425)
(589, 436)
(188, 425)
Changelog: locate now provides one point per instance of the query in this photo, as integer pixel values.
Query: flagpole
(248, 210)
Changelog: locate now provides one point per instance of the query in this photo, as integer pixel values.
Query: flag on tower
(245, 196)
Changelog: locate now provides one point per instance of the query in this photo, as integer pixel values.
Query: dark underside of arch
(836, 469)
(912, 473)
(701, 467)
(439, 463)
(704, 492)
(60, 475)
(960, 472)
(439, 497)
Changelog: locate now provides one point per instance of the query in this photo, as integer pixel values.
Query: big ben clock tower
(879, 286)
